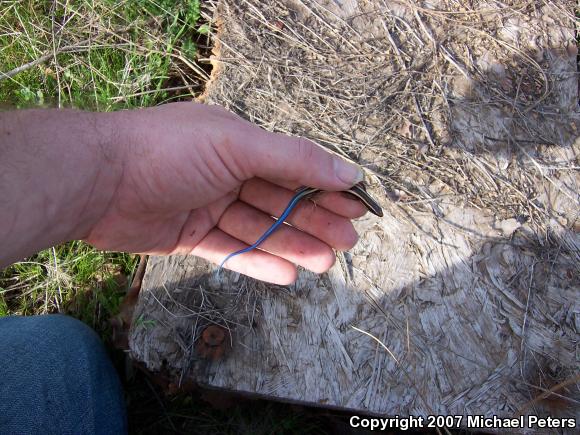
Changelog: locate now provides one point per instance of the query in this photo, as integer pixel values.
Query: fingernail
(348, 172)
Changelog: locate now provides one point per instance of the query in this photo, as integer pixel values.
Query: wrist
(100, 170)
(59, 170)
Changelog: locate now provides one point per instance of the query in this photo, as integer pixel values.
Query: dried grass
(404, 95)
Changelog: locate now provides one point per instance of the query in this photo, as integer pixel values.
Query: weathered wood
(464, 298)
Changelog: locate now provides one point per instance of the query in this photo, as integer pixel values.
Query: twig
(378, 341)
(80, 47)
(547, 394)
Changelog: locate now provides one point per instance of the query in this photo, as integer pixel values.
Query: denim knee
(56, 377)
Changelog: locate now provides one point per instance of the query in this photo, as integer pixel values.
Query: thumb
(296, 159)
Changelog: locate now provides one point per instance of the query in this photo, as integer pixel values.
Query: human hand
(199, 180)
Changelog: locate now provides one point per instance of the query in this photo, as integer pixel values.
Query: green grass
(110, 54)
(72, 278)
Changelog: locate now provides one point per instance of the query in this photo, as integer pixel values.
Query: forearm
(58, 171)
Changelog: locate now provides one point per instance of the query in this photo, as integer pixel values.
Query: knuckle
(305, 148)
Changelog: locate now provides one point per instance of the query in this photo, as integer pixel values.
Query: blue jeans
(56, 378)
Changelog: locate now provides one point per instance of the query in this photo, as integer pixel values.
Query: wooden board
(464, 298)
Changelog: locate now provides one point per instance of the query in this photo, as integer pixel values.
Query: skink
(358, 190)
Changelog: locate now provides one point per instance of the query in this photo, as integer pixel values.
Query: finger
(337, 202)
(341, 204)
(257, 264)
(308, 216)
(247, 224)
(295, 159)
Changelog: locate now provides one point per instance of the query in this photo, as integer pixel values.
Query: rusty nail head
(213, 335)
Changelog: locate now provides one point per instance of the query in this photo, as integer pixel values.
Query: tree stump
(464, 298)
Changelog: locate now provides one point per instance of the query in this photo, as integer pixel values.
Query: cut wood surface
(464, 298)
